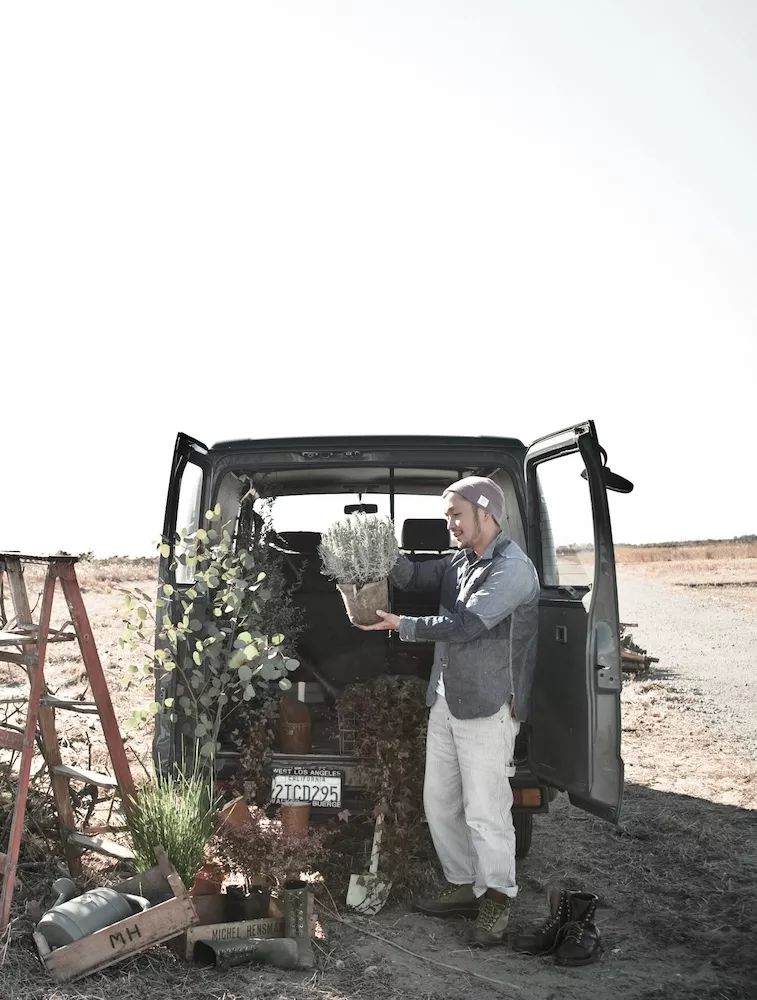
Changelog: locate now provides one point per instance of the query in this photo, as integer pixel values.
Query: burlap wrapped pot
(362, 603)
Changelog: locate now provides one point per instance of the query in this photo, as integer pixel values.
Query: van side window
(188, 516)
(566, 523)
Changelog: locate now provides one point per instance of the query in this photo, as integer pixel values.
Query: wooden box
(214, 925)
(173, 912)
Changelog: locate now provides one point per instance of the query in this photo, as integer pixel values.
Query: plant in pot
(359, 551)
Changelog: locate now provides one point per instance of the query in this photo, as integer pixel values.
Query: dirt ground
(677, 880)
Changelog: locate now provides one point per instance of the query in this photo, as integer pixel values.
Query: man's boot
(491, 922)
(279, 952)
(579, 940)
(454, 901)
(296, 923)
(543, 940)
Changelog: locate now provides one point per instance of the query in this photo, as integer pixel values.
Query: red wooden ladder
(25, 644)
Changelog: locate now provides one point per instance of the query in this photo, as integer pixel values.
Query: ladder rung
(85, 707)
(11, 740)
(107, 847)
(91, 777)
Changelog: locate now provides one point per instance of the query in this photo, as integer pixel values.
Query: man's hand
(388, 622)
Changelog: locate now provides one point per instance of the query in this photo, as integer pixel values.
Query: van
(556, 510)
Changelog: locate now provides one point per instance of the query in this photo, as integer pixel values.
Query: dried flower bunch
(359, 549)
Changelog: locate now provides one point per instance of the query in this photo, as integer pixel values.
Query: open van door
(575, 718)
(187, 485)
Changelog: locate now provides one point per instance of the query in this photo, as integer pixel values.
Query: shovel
(368, 893)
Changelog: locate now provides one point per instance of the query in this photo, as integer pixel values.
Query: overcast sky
(247, 219)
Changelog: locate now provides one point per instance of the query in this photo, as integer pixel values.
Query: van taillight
(530, 797)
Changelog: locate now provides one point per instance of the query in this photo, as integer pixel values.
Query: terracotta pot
(208, 881)
(362, 603)
(295, 731)
(295, 819)
(234, 813)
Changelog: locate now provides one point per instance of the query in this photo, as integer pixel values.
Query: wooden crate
(131, 936)
(212, 926)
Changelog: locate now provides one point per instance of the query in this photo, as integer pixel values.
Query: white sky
(246, 219)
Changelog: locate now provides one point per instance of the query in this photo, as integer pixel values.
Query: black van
(556, 509)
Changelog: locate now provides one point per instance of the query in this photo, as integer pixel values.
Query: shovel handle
(376, 845)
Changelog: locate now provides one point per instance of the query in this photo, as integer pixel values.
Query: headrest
(304, 542)
(428, 534)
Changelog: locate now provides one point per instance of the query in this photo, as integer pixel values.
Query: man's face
(464, 520)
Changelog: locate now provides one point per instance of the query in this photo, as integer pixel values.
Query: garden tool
(296, 900)
(70, 919)
(368, 893)
(283, 953)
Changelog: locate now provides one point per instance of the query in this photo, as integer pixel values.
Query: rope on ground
(331, 915)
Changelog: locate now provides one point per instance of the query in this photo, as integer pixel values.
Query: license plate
(317, 785)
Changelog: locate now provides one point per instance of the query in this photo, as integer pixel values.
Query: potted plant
(358, 551)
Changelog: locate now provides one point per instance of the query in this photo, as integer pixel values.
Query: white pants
(468, 799)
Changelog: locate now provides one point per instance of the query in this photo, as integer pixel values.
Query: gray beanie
(481, 492)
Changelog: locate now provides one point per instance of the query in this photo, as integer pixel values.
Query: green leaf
(285, 684)
(154, 707)
(249, 692)
(251, 651)
(165, 550)
(167, 623)
(261, 576)
(142, 612)
(291, 664)
(129, 724)
(168, 702)
(245, 673)
(202, 535)
(197, 658)
(167, 590)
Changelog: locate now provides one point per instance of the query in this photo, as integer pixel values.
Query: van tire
(524, 828)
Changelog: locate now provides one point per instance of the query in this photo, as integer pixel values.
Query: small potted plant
(358, 551)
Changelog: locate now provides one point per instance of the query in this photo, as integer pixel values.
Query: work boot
(296, 923)
(491, 922)
(579, 939)
(543, 940)
(454, 901)
(282, 953)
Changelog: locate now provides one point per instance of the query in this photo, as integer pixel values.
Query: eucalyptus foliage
(207, 634)
(359, 549)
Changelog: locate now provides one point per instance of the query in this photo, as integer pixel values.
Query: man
(485, 650)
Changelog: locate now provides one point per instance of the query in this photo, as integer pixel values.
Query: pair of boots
(490, 911)
(293, 951)
(569, 931)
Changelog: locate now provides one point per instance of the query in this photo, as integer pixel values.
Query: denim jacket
(486, 630)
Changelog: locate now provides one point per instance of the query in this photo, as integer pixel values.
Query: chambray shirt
(486, 630)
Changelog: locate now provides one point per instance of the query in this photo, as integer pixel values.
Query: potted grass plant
(359, 551)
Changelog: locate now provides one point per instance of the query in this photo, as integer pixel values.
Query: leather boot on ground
(544, 939)
(454, 901)
(579, 941)
(296, 904)
(491, 922)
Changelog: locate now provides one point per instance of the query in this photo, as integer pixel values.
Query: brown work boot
(454, 901)
(579, 939)
(491, 923)
(543, 940)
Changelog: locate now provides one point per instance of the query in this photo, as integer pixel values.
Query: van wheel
(524, 828)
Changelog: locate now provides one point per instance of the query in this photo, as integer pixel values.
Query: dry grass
(706, 552)
(715, 564)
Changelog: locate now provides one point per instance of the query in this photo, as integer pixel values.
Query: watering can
(72, 917)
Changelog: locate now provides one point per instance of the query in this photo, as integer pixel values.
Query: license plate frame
(300, 786)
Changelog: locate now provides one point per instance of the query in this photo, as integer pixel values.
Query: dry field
(677, 879)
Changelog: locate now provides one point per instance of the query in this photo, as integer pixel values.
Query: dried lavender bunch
(359, 549)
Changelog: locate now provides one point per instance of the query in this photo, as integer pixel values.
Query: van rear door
(575, 718)
(187, 486)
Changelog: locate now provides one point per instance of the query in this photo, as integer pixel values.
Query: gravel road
(706, 640)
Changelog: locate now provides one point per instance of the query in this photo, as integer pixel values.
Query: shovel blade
(367, 893)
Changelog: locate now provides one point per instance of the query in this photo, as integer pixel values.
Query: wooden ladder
(25, 644)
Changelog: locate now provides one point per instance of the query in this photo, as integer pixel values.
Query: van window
(566, 523)
(188, 515)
